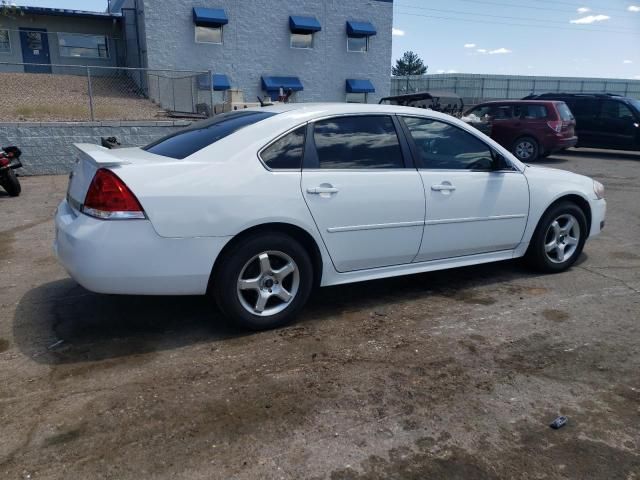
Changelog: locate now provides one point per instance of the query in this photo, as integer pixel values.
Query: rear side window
(531, 112)
(358, 142)
(585, 108)
(564, 111)
(181, 144)
(286, 152)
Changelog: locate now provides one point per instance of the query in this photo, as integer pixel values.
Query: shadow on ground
(60, 322)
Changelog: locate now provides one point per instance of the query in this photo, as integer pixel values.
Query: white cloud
(627, 61)
(440, 71)
(499, 51)
(637, 77)
(590, 19)
(634, 8)
(469, 45)
(452, 71)
(396, 32)
(482, 50)
(584, 10)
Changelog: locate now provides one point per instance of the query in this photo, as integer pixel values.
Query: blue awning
(360, 29)
(209, 17)
(220, 82)
(304, 24)
(274, 84)
(359, 86)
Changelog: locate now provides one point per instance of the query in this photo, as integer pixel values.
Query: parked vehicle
(445, 102)
(529, 129)
(603, 120)
(255, 207)
(10, 161)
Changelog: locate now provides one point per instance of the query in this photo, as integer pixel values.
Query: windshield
(565, 112)
(185, 142)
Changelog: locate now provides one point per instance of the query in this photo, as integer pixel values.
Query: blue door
(35, 50)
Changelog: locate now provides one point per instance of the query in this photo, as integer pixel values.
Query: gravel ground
(451, 374)
(40, 97)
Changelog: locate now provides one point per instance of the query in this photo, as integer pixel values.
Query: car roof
(308, 111)
(524, 102)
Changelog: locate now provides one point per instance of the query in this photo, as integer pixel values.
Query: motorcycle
(9, 161)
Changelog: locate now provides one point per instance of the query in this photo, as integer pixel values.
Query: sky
(591, 38)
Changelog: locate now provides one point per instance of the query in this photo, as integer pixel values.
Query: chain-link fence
(477, 88)
(82, 93)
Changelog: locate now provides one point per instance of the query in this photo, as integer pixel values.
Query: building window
(301, 40)
(208, 34)
(83, 46)
(357, 44)
(356, 98)
(5, 42)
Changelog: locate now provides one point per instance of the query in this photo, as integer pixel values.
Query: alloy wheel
(525, 149)
(268, 283)
(562, 238)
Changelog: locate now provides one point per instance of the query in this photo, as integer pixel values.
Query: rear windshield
(185, 142)
(635, 103)
(565, 112)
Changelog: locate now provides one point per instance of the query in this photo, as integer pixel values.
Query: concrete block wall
(257, 43)
(47, 147)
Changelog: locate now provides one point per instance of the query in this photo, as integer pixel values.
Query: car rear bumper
(557, 142)
(129, 257)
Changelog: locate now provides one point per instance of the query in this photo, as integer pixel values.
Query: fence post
(482, 88)
(210, 73)
(533, 87)
(508, 88)
(90, 93)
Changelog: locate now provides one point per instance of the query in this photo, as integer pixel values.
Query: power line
(502, 4)
(574, 29)
(511, 17)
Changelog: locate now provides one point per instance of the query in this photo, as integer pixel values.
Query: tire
(553, 250)
(244, 279)
(11, 184)
(526, 149)
(545, 155)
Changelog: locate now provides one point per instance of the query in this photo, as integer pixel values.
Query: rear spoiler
(100, 156)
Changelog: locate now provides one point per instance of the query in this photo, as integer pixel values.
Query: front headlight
(598, 189)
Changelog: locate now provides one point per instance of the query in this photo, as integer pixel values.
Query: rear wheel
(526, 149)
(11, 184)
(558, 239)
(263, 282)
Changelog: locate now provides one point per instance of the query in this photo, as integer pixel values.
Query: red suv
(529, 128)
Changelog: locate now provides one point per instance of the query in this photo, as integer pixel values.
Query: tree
(9, 9)
(409, 64)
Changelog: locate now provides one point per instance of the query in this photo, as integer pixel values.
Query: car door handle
(320, 190)
(443, 187)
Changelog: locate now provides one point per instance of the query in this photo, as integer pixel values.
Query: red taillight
(555, 125)
(109, 198)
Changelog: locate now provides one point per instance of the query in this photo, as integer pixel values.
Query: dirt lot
(39, 97)
(444, 375)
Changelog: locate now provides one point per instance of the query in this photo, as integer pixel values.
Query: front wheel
(11, 184)
(263, 282)
(558, 239)
(526, 149)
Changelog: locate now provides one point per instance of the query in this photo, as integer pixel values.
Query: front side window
(5, 41)
(301, 40)
(357, 44)
(356, 98)
(613, 110)
(286, 152)
(358, 142)
(208, 34)
(83, 46)
(444, 146)
(185, 142)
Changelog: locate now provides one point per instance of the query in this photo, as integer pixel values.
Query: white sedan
(256, 207)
